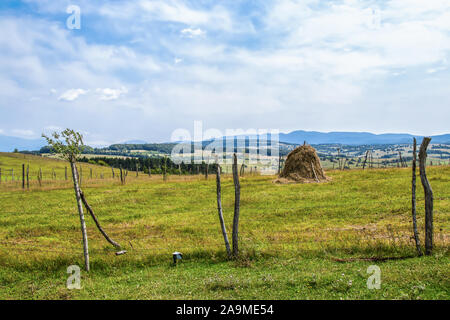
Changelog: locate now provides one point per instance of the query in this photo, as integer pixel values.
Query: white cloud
(216, 17)
(111, 94)
(72, 94)
(22, 132)
(52, 128)
(292, 64)
(190, 32)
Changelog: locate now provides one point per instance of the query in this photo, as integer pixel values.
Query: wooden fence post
(428, 197)
(112, 171)
(219, 208)
(65, 173)
(279, 164)
(12, 175)
(237, 197)
(165, 169)
(365, 159)
(28, 176)
(416, 233)
(23, 176)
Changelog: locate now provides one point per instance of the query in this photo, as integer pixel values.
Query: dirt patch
(302, 165)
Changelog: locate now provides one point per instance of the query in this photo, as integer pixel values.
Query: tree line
(156, 165)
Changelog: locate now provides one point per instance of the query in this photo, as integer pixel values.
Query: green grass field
(291, 236)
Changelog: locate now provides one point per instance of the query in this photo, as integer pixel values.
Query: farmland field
(298, 241)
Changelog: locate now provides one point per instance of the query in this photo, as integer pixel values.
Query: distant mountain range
(355, 138)
(8, 144)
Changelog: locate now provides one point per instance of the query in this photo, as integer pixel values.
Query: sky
(142, 69)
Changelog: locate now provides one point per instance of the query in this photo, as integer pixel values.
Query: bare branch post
(237, 197)
(219, 208)
(416, 233)
(428, 196)
(97, 223)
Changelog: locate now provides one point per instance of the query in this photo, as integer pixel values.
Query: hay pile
(302, 165)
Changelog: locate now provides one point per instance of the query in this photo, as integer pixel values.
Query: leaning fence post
(416, 233)
(428, 197)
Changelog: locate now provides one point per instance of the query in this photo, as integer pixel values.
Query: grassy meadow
(298, 241)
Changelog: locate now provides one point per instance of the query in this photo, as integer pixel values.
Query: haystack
(303, 165)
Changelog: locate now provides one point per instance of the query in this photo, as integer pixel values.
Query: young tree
(69, 144)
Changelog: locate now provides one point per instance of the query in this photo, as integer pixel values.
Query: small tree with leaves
(69, 145)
